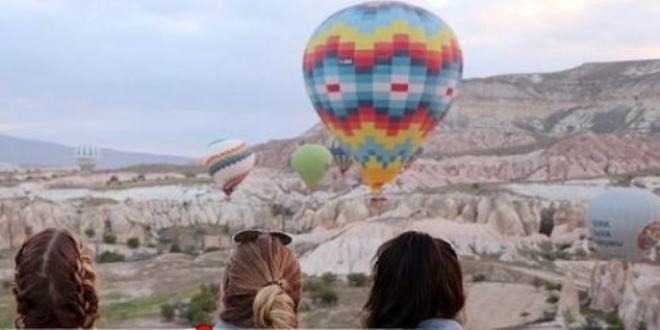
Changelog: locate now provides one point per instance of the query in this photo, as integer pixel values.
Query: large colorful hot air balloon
(87, 157)
(229, 162)
(625, 222)
(382, 75)
(311, 162)
(343, 160)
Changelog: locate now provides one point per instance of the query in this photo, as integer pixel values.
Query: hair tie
(278, 283)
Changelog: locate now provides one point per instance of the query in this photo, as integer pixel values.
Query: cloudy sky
(169, 76)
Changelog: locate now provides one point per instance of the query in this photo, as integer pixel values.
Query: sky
(170, 76)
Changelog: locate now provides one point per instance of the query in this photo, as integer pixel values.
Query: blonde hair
(263, 285)
(55, 283)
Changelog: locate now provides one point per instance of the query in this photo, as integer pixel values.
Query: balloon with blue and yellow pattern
(382, 75)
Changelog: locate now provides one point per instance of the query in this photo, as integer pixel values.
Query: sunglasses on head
(251, 235)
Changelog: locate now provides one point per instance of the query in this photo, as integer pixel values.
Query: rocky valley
(506, 180)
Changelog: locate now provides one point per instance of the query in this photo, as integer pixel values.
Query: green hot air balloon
(311, 162)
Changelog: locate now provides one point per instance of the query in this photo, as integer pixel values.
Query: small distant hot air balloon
(229, 162)
(87, 157)
(311, 162)
(382, 75)
(625, 222)
(413, 158)
(343, 160)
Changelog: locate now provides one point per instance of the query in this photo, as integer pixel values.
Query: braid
(88, 300)
(21, 304)
(55, 283)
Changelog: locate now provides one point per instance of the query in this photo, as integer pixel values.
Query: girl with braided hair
(262, 284)
(55, 282)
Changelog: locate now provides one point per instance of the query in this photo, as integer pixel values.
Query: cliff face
(594, 120)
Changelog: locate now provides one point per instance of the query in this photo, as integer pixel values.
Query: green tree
(167, 312)
(196, 316)
(110, 256)
(478, 278)
(328, 278)
(175, 248)
(325, 295)
(357, 279)
(109, 238)
(133, 243)
(90, 233)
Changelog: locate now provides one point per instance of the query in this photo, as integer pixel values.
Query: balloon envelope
(342, 159)
(229, 162)
(382, 75)
(311, 162)
(87, 157)
(625, 222)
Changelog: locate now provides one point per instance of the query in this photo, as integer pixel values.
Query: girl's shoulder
(440, 324)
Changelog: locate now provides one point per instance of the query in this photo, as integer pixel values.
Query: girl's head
(55, 282)
(263, 282)
(416, 277)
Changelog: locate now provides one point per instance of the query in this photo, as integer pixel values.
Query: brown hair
(416, 277)
(262, 286)
(55, 282)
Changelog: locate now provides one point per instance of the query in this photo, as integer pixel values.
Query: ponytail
(274, 308)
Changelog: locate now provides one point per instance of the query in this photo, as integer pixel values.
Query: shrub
(133, 243)
(206, 299)
(202, 304)
(537, 282)
(325, 295)
(90, 233)
(614, 321)
(553, 286)
(175, 248)
(357, 279)
(552, 299)
(478, 278)
(328, 278)
(167, 312)
(211, 249)
(190, 250)
(112, 181)
(311, 285)
(196, 316)
(110, 256)
(109, 238)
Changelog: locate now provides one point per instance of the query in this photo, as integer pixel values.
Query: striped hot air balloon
(87, 157)
(229, 162)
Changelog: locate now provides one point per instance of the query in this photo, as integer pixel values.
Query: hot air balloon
(413, 158)
(342, 159)
(311, 162)
(382, 75)
(87, 157)
(229, 162)
(625, 222)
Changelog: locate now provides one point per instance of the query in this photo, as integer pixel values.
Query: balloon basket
(378, 204)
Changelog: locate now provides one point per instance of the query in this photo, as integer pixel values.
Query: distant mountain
(38, 153)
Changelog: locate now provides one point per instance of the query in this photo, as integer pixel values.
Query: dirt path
(498, 305)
